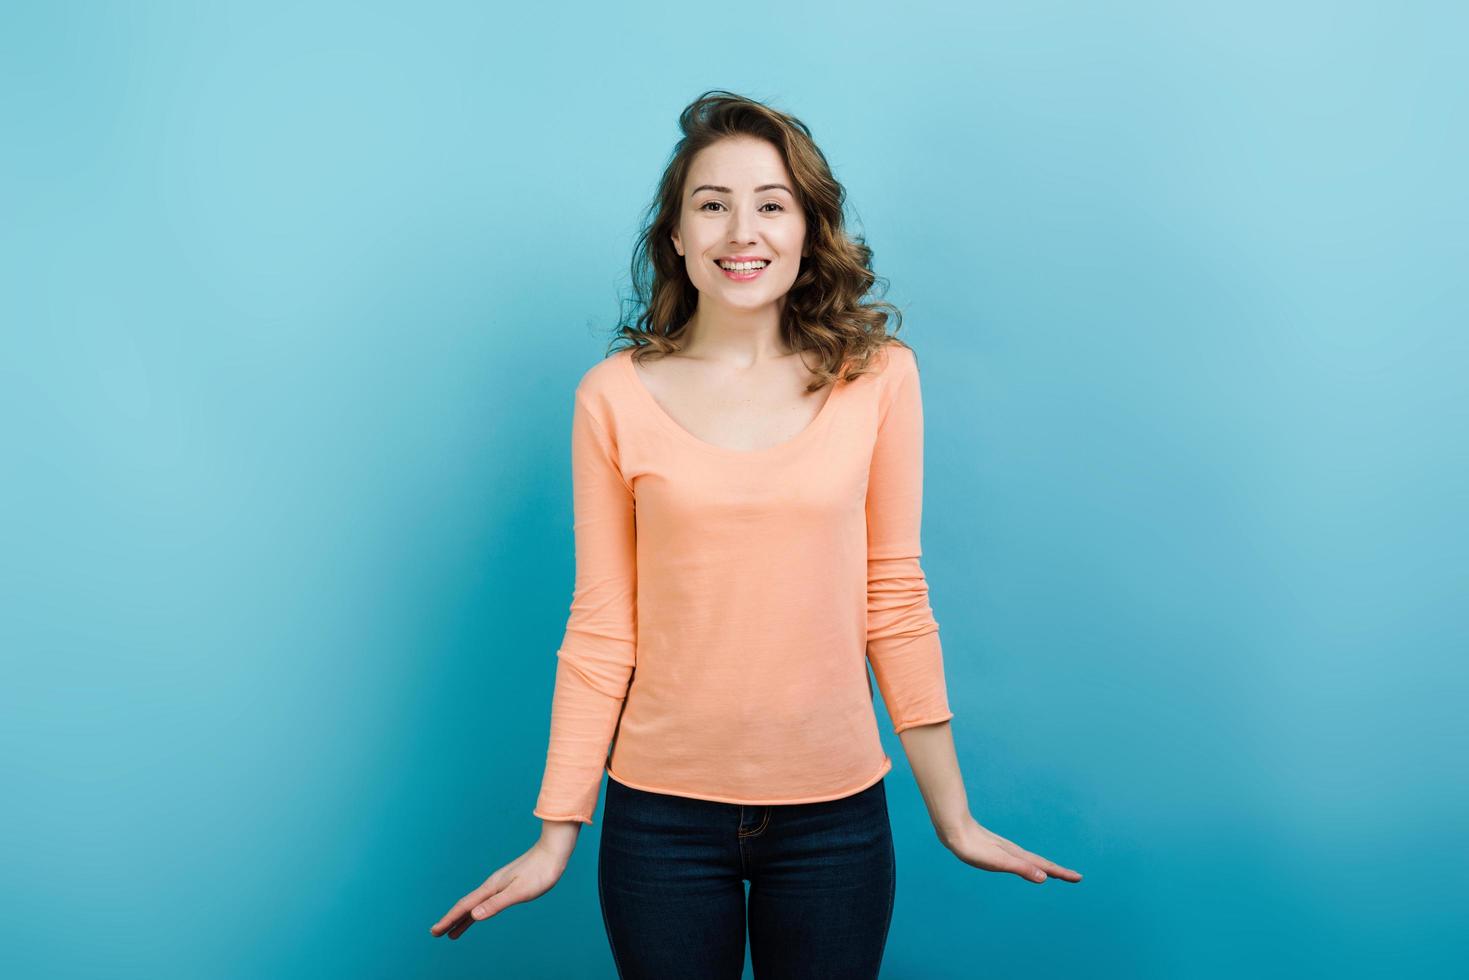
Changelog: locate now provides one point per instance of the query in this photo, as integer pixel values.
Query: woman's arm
(930, 751)
(598, 651)
(931, 754)
(903, 642)
(903, 636)
(593, 667)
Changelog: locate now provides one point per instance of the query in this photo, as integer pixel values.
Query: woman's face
(739, 201)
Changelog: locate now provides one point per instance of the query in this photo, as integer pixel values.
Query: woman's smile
(743, 273)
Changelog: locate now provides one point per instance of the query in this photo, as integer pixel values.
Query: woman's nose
(740, 226)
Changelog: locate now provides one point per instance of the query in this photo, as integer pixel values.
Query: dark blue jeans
(671, 877)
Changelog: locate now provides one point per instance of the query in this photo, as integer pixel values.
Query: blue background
(292, 303)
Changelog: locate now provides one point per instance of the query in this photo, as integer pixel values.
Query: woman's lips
(741, 275)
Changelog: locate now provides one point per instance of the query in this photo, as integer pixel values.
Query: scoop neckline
(679, 432)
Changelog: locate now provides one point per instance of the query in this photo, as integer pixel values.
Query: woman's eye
(707, 204)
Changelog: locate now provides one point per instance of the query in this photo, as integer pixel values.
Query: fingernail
(479, 910)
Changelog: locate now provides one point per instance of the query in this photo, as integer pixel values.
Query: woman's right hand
(527, 877)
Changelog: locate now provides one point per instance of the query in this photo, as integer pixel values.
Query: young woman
(748, 480)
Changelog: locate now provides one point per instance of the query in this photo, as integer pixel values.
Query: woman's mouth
(743, 271)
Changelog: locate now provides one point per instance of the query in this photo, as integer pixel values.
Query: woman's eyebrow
(726, 190)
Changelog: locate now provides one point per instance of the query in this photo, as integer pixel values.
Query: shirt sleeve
(599, 648)
(902, 635)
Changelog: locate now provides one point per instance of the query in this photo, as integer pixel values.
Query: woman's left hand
(984, 849)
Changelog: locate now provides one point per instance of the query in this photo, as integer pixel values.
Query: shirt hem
(883, 770)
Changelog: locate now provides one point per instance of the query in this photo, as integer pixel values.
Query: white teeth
(742, 266)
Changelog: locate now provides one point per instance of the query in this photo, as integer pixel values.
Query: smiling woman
(747, 229)
(747, 184)
(747, 482)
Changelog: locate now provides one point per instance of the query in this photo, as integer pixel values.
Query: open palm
(982, 848)
(527, 877)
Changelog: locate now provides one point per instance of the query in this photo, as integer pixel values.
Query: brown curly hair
(824, 310)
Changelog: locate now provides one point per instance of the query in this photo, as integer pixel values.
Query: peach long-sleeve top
(724, 599)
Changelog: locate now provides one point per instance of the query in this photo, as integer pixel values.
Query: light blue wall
(292, 303)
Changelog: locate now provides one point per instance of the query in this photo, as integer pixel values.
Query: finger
(1023, 868)
(1046, 864)
(1053, 869)
(462, 908)
(481, 910)
(455, 915)
(511, 894)
(444, 924)
(448, 922)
